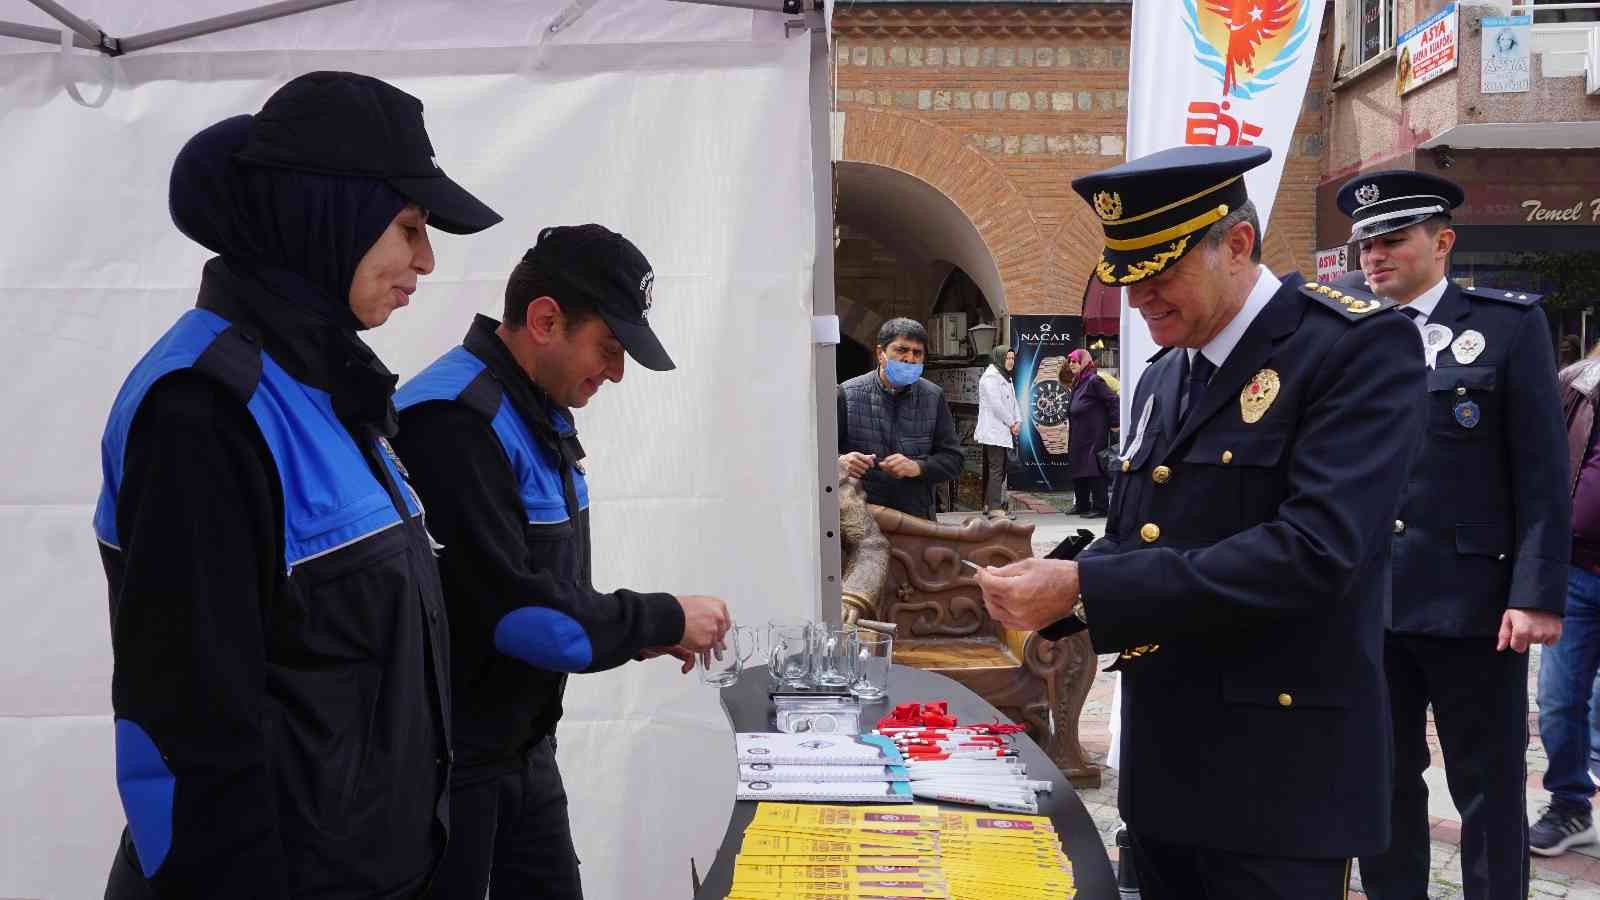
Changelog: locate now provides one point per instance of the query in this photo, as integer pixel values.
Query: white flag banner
(1218, 73)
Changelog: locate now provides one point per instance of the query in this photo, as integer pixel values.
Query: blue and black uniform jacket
(280, 693)
(498, 465)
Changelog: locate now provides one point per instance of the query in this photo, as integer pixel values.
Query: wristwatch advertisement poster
(1043, 398)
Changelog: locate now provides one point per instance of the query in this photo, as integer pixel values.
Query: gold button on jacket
(1285, 700)
(1227, 457)
(1161, 475)
(1151, 532)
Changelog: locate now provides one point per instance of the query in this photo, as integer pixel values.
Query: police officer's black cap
(342, 123)
(597, 263)
(1381, 202)
(1155, 209)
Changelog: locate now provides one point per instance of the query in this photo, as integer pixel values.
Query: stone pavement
(1574, 875)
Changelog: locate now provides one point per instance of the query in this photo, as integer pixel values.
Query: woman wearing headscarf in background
(1091, 416)
(279, 640)
(998, 424)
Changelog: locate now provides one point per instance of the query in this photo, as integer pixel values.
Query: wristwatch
(1048, 401)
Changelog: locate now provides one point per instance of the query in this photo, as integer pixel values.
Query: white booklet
(816, 749)
(827, 791)
(775, 772)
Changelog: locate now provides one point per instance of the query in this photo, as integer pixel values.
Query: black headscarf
(298, 237)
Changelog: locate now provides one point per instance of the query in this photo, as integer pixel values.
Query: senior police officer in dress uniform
(1480, 543)
(1246, 559)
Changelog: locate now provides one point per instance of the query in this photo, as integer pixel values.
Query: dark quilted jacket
(914, 421)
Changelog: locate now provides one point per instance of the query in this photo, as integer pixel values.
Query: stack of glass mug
(803, 655)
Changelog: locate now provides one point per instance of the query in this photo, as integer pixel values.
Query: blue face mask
(901, 374)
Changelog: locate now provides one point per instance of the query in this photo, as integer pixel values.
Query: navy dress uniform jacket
(1244, 575)
(1486, 522)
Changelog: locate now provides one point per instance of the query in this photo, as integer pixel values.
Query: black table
(749, 709)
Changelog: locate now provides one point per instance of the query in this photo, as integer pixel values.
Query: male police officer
(1480, 543)
(488, 435)
(1246, 558)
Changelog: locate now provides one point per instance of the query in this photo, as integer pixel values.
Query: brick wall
(1000, 107)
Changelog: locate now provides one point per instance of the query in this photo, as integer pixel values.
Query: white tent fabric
(685, 127)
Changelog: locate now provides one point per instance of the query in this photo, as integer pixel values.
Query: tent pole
(220, 23)
(43, 35)
(823, 304)
(97, 39)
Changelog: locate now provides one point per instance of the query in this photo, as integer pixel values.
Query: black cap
(341, 123)
(1155, 209)
(1381, 202)
(1353, 281)
(597, 263)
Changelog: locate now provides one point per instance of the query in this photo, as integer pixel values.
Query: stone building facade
(986, 112)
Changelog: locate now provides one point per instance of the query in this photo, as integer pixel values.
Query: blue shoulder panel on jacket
(444, 379)
(146, 786)
(177, 349)
(330, 497)
(544, 637)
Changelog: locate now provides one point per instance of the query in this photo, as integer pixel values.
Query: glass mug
(789, 643)
(874, 653)
(722, 666)
(835, 664)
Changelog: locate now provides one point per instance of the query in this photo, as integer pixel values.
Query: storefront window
(1542, 16)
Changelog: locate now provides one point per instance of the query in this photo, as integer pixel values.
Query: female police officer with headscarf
(280, 647)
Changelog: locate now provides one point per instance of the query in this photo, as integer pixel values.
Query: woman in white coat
(998, 424)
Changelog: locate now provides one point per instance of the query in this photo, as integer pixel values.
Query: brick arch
(1073, 254)
(989, 199)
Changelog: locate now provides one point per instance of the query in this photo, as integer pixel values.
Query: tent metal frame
(89, 36)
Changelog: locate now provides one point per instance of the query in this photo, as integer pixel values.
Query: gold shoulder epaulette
(1352, 304)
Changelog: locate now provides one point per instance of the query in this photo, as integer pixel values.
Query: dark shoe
(1560, 828)
(1095, 514)
(1077, 511)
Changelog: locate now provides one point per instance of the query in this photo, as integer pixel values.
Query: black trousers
(1178, 872)
(994, 489)
(510, 838)
(1089, 493)
(1480, 708)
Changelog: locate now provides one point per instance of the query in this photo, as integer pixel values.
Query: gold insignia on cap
(1145, 268)
(1257, 396)
(1108, 205)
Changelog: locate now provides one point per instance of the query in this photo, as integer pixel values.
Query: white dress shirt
(1218, 348)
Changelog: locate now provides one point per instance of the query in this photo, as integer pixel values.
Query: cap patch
(1108, 206)
(1368, 193)
(647, 286)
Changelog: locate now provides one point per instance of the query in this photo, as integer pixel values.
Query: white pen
(1021, 786)
(976, 798)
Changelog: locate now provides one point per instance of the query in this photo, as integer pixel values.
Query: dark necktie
(1200, 372)
(1411, 313)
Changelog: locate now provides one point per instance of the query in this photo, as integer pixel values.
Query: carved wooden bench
(945, 628)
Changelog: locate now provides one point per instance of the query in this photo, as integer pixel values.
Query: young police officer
(1246, 559)
(488, 435)
(1480, 542)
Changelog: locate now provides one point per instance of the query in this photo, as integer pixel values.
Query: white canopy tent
(699, 131)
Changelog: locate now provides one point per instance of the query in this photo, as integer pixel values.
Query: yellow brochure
(922, 841)
(809, 815)
(840, 859)
(782, 843)
(756, 873)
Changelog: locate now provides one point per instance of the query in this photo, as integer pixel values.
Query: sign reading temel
(1427, 51)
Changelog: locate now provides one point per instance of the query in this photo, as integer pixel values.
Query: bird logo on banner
(1248, 43)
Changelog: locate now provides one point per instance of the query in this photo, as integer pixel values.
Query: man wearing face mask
(895, 429)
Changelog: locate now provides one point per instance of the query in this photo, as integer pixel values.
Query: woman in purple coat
(1092, 415)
